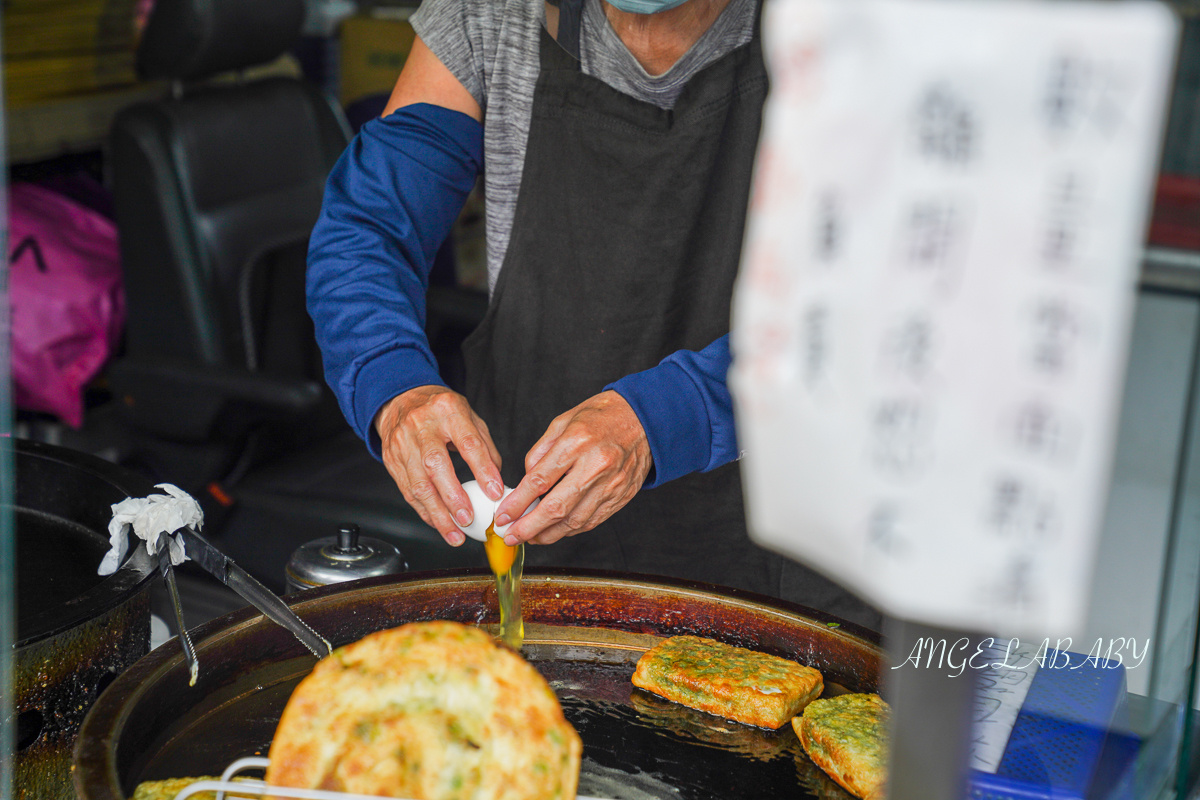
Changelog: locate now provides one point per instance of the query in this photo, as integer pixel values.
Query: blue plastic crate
(1060, 746)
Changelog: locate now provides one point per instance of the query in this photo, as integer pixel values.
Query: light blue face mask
(645, 6)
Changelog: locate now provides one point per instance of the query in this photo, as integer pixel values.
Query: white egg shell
(484, 509)
(502, 529)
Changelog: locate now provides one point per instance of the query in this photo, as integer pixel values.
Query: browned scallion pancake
(428, 711)
(847, 737)
(731, 682)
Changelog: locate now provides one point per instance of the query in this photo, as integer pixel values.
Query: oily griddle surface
(585, 631)
(636, 746)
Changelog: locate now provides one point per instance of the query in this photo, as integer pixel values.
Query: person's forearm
(686, 410)
(389, 203)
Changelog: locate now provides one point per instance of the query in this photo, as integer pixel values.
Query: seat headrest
(193, 39)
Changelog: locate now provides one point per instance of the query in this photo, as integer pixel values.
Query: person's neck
(659, 40)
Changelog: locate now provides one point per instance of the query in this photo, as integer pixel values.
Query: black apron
(624, 248)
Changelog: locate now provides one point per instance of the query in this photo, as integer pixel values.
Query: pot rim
(96, 761)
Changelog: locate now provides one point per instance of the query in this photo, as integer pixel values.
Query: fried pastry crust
(847, 737)
(428, 711)
(731, 682)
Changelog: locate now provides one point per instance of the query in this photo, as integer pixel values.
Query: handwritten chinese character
(815, 333)
(1066, 89)
(1058, 246)
(985, 707)
(1017, 587)
(901, 430)
(1020, 510)
(946, 127)
(1063, 227)
(1085, 95)
(884, 529)
(1041, 430)
(908, 347)
(1056, 329)
(934, 238)
(829, 228)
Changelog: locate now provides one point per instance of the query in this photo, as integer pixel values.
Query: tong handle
(189, 650)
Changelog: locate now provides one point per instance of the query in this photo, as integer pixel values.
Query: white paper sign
(931, 323)
(1000, 692)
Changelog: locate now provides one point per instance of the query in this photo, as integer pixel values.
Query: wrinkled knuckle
(555, 509)
(423, 491)
(577, 521)
(470, 444)
(444, 403)
(409, 417)
(433, 460)
(608, 458)
(585, 438)
(540, 485)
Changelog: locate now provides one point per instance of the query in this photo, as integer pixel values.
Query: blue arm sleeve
(389, 203)
(686, 410)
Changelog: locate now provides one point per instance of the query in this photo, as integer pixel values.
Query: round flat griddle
(76, 630)
(584, 633)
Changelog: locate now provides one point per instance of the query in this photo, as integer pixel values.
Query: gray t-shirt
(491, 46)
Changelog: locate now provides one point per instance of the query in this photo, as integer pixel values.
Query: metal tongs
(220, 566)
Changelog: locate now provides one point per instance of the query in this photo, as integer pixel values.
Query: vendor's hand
(598, 456)
(418, 429)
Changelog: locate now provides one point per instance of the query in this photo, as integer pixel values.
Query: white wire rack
(228, 789)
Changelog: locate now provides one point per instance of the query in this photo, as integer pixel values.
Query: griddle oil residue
(637, 746)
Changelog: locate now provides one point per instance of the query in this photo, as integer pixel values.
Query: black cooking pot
(76, 630)
(584, 632)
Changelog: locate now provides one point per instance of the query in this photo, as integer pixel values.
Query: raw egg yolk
(500, 556)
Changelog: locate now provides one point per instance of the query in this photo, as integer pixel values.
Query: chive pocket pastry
(731, 682)
(847, 737)
(427, 711)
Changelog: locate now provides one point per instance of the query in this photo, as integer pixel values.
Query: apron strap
(570, 25)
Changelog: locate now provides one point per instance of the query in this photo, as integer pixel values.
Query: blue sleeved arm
(389, 203)
(686, 410)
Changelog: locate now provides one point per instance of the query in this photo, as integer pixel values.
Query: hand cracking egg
(484, 510)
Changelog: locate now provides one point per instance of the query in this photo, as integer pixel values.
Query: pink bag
(67, 301)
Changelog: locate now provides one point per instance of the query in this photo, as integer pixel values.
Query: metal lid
(345, 557)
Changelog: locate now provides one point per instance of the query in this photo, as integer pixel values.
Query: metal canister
(344, 557)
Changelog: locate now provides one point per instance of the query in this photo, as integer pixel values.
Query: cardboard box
(84, 27)
(61, 48)
(33, 80)
(373, 51)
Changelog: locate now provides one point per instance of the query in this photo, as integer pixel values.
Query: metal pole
(8, 569)
(931, 711)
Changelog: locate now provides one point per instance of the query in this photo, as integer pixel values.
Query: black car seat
(215, 189)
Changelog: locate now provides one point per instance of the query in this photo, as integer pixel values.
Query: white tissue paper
(153, 519)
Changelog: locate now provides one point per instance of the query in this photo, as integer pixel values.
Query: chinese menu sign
(932, 318)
